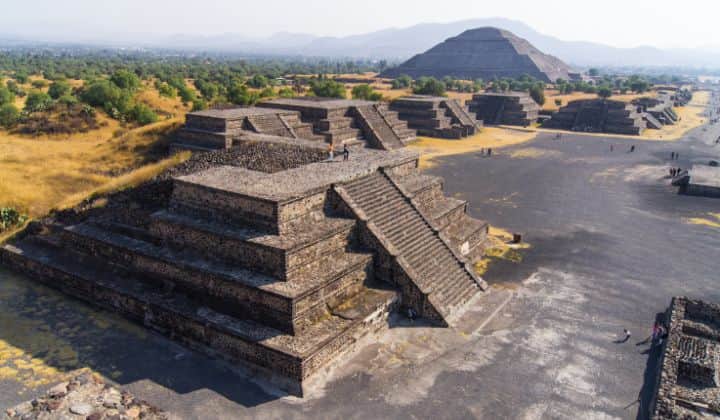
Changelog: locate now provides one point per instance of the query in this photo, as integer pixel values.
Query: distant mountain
(399, 44)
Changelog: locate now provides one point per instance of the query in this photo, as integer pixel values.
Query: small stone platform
(701, 180)
(598, 116)
(436, 116)
(509, 108)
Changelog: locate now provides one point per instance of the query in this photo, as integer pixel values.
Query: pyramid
(483, 53)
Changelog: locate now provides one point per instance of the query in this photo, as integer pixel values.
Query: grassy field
(551, 95)
(490, 137)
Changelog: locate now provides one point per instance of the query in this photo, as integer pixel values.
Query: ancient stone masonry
(265, 253)
(700, 180)
(513, 108)
(349, 122)
(659, 108)
(688, 383)
(598, 116)
(483, 53)
(436, 116)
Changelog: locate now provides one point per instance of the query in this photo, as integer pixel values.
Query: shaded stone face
(483, 53)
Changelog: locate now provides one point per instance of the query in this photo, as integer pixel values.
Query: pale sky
(622, 23)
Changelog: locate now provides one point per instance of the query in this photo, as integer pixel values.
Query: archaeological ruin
(483, 53)
(263, 251)
(688, 380)
(700, 180)
(436, 116)
(657, 111)
(598, 116)
(509, 108)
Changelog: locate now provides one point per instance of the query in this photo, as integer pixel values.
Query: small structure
(598, 116)
(688, 383)
(701, 180)
(342, 121)
(510, 108)
(436, 116)
(660, 108)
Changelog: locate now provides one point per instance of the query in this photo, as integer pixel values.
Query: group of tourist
(331, 152)
(675, 172)
(489, 151)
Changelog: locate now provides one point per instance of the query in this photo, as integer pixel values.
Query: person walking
(346, 153)
(677, 155)
(489, 151)
(632, 148)
(612, 147)
(331, 152)
(672, 155)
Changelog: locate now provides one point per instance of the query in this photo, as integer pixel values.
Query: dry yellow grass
(489, 137)
(499, 248)
(41, 173)
(551, 95)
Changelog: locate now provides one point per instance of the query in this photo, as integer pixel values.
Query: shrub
(143, 115)
(326, 88)
(258, 81)
(429, 86)
(558, 102)
(9, 115)
(68, 100)
(9, 218)
(402, 82)
(199, 104)
(538, 94)
(6, 96)
(100, 93)
(21, 77)
(39, 84)
(604, 92)
(125, 79)
(286, 92)
(365, 92)
(166, 90)
(59, 88)
(38, 101)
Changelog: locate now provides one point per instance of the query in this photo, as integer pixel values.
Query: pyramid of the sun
(483, 53)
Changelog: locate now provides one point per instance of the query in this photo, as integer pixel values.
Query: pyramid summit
(483, 53)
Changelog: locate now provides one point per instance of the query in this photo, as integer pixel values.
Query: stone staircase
(271, 124)
(400, 127)
(377, 129)
(431, 268)
(460, 113)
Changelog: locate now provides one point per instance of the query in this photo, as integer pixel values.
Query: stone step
(285, 359)
(243, 292)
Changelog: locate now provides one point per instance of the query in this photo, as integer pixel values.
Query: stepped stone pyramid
(511, 108)
(483, 53)
(436, 116)
(261, 251)
(598, 116)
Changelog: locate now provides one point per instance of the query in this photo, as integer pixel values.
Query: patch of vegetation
(63, 119)
(429, 86)
(327, 88)
(10, 218)
(366, 92)
(402, 82)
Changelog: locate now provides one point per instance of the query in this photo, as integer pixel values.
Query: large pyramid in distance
(483, 53)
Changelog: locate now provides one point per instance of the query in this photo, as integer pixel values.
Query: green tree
(100, 93)
(21, 76)
(59, 88)
(286, 92)
(365, 92)
(594, 72)
(9, 115)
(6, 96)
(326, 88)
(199, 104)
(604, 92)
(538, 94)
(38, 101)
(258, 81)
(208, 90)
(429, 86)
(165, 90)
(68, 100)
(39, 84)
(125, 79)
(13, 87)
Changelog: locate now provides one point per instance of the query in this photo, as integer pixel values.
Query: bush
(429, 86)
(402, 82)
(240, 94)
(538, 94)
(199, 104)
(286, 92)
(258, 81)
(166, 90)
(9, 218)
(143, 114)
(59, 88)
(21, 77)
(558, 102)
(6, 96)
(604, 92)
(38, 101)
(365, 92)
(100, 93)
(208, 90)
(68, 100)
(15, 88)
(39, 84)
(326, 88)
(125, 79)
(9, 115)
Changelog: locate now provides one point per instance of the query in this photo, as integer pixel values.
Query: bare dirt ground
(611, 243)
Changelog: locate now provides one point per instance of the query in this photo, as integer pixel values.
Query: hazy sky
(624, 23)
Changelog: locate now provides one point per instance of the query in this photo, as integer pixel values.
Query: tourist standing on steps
(331, 152)
(346, 153)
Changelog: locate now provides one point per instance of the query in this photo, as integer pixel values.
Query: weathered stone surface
(688, 382)
(436, 116)
(511, 108)
(598, 116)
(87, 397)
(483, 53)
